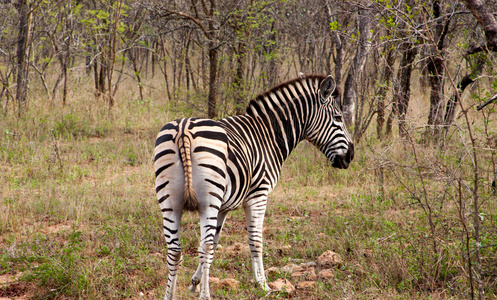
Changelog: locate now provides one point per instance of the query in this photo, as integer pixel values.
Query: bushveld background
(84, 96)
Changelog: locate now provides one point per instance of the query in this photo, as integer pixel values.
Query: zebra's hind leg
(174, 256)
(170, 196)
(221, 217)
(208, 221)
(255, 209)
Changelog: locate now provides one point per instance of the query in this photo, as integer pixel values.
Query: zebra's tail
(191, 201)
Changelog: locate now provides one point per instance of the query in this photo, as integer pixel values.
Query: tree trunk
(402, 90)
(387, 76)
(238, 82)
(88, 60)
(212, 98)
(213, 56)
(99, 72)
(112, 52)
(272, 64)
(166, 79)
(64, 74)
(133, 58)
(450, 109)
(486, 19)
(338, 59)
(403, 93)
(435, 117)
(22, 54)
(350, 88)
(338, 42)
(436, 73)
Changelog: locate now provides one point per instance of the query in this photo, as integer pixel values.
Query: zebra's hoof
(203, 297)
(194, 288)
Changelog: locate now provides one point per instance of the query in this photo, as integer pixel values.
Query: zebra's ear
(326, 88)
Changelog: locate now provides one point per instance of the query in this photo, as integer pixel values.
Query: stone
(306, 285)
(326, 274)
(271, 271)
(237, 248)
(307, 273)
(282, 285)
(309, 264)
(298, 269)
(213, 280)
(288, 268)
(329, 259)
(228, 284)
(158, 255)
(358, 269)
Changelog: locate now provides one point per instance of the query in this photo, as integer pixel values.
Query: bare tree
(387, 75)
(205, 19)
(436, 69)
(24, 32)
(357, 66)
(450, 109)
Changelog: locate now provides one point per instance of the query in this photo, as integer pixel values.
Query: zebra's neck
(285, 111)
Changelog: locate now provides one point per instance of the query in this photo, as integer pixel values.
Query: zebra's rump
(190, 155)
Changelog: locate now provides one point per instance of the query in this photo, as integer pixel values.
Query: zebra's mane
(263, 97)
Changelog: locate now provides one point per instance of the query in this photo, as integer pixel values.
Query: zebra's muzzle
(342, 161)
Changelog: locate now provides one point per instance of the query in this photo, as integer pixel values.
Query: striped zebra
(214, 166)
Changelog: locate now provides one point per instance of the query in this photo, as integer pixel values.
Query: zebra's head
(327, 129)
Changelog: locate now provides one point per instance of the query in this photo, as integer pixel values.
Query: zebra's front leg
(254, 213)
(221, 217)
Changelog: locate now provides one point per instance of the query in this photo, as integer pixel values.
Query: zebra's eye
(338, 118)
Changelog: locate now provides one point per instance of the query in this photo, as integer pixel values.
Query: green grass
(79, 218)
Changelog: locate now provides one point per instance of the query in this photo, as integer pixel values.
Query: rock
(309, 264)
(326, 274)
(238, 248)
(282, 285)
(329, 259)
(358, 269)
(271, 271)
(306, 285)
(307, 273)
(158, 255)
(213, 280)
(288, 268)
(367, 253)
(227, 284)
(298, 269)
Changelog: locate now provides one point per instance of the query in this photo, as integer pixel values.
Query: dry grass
(79, 219)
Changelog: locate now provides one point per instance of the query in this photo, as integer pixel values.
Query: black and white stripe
(216, 166)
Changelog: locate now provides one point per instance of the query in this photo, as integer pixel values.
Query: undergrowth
(79, 219)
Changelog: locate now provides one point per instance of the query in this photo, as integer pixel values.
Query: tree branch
(481, 106)
(194, 20)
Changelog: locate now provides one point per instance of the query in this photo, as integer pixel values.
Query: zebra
(214, 166)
